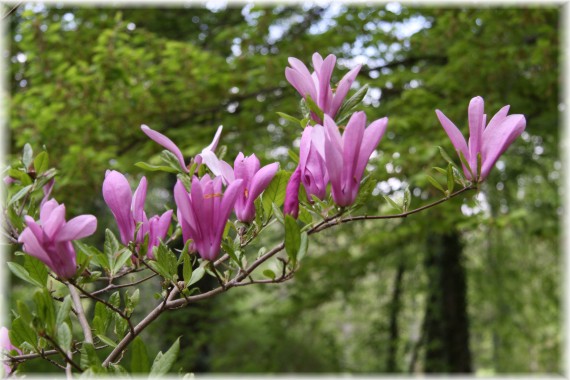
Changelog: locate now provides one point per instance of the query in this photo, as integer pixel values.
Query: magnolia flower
(6, 346)
(312, 167)
(291, 204)
(347, 155)
(203, 213)
(254, 181)
(128, 210)
(205, 156)
(50, 239)
(317, 84)
(488, 142)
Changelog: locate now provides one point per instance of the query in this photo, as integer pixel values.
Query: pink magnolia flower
(6, 345)
(128, 210)
(312, 167)
(489, 142)
(291, 205)
(203, 213)
(347, 155)
(254, 181)
(317, 84)
(50, 239)
(205, 156)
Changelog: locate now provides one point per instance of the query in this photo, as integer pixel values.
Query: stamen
(208, 196)
(246, 193)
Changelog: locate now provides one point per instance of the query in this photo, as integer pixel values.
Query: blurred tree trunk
(446, 326)
(395, 307)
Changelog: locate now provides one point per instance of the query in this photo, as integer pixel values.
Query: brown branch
(80, 314)
(119, 286)
(63, 353)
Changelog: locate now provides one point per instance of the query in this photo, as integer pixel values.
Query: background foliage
(84, 79)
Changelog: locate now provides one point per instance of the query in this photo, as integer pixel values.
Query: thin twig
(97, 299)
(80, 314)
(62, 352)
(113, 286)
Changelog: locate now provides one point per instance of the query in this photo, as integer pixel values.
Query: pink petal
(476, 128)
(184, 212)
(302, 84)
(55, 222)
(117, 195)
(496, 121)
(261, 180)
(299, 66)
(454, 134)
(372, 136)
(167, 143)
(498, 140)
(212, 147)
(343, 88)
(217, 166)
(77, 228)
(291, 205)
(33, 247)
(139, 198)
(325, 92)
(317, 62)
(333, 157)
(352, 140)
(46, 210)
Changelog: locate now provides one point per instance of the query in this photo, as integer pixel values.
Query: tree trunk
(446, 326)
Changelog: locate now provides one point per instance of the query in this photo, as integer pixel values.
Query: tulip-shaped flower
(254, 181)
(291, 204)
(128, 210)
(313, 171)
(6, 346)
(489, 142)
(347, 155)
(50, 239)
(207, 155)
(203, 213)
(317, 84)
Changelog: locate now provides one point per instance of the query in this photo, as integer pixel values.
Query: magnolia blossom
(128, 210)
(489, 142)
(6, 346)
(207, 155)
(254, 181)
(317, 84)
(203, 213)
(312, 167)
(347, 155)
(50, 239)
(291, 204)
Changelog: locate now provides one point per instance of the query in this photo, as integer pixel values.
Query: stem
(80, 314)
(97, 299)
(62, 352)
(113, 286)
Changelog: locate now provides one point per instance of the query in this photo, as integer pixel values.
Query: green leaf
(102, 318)
(294, 156)
(108, 341)
(278, 213)
(41, 162)
(269, 274)
(121, 260)
(187, 269)
(275, 192)
(289, 118)
(466, 164)
(392, 203)
(139, 357)
(171, 160)
(64, 336)
(304, 246)
(27, 155)
(24, 311)
(20, 194)
(156, 168)
(111, 247)
(89, 358)
(163, 362)
(314, 107)
(292, 238)
(36, 269)
(436, 184)
(407, 198)
(197, 275)
(22, 332)
(45, 309)
(345, 110)
(63, 312)
(23, 274)
(450, 179)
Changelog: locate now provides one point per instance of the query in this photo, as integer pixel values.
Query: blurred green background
(471, 286)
